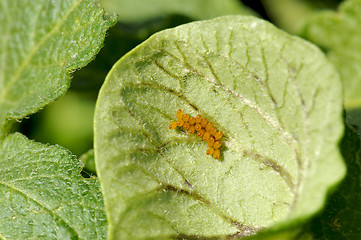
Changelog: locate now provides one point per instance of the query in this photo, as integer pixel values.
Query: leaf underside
(276, 99)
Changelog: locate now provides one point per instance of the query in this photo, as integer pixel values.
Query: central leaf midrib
(244, 100)
(272, 122)
(194, 195)
(289, 140)
(206, 202)
(286, 176)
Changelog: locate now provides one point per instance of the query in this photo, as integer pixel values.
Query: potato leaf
(42, 42)
(276, 98)
(43, 196)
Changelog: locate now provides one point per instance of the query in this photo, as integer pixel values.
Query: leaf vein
(20, 191)
(35, 49)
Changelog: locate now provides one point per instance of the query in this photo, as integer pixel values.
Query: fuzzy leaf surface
(277, 100)
(43, 196)
(42, 42)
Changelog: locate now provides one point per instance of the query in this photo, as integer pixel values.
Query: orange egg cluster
(202, 128)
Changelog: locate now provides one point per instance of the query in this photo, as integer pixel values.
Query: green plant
(289, 112)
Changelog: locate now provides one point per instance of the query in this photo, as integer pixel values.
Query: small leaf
(142, 17)
(88, 160)
(143, 10)
(42, 42)
(291, 15)
(43, 196)
(277, 100)
(339, 33)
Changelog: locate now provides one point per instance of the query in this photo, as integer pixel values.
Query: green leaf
(341, 217)
(338, 33)
(42, 42)
(43, 196)
(143, 10)
(88, 160)
(353, 117)
(276, 98)
(292, 14)
(90, 78)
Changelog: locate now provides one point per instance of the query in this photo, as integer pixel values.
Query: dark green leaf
(342, 215)
(88, 160)
(42, 42)
(291, 15)
(43, 196)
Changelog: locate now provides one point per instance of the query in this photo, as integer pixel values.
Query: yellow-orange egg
(172, 125)
(201, 132)
(217, 144)
(198, 127)
(213, 131)
(192, 120)
(210, 142)
(216, 154)
(218, 135)
(185, 117)
(210, 151)
(198, 118)
(186, 126)
(180, 123)
(191, 129)
(209, 126)
(206, 136)
(179, 114)
(204, 122)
